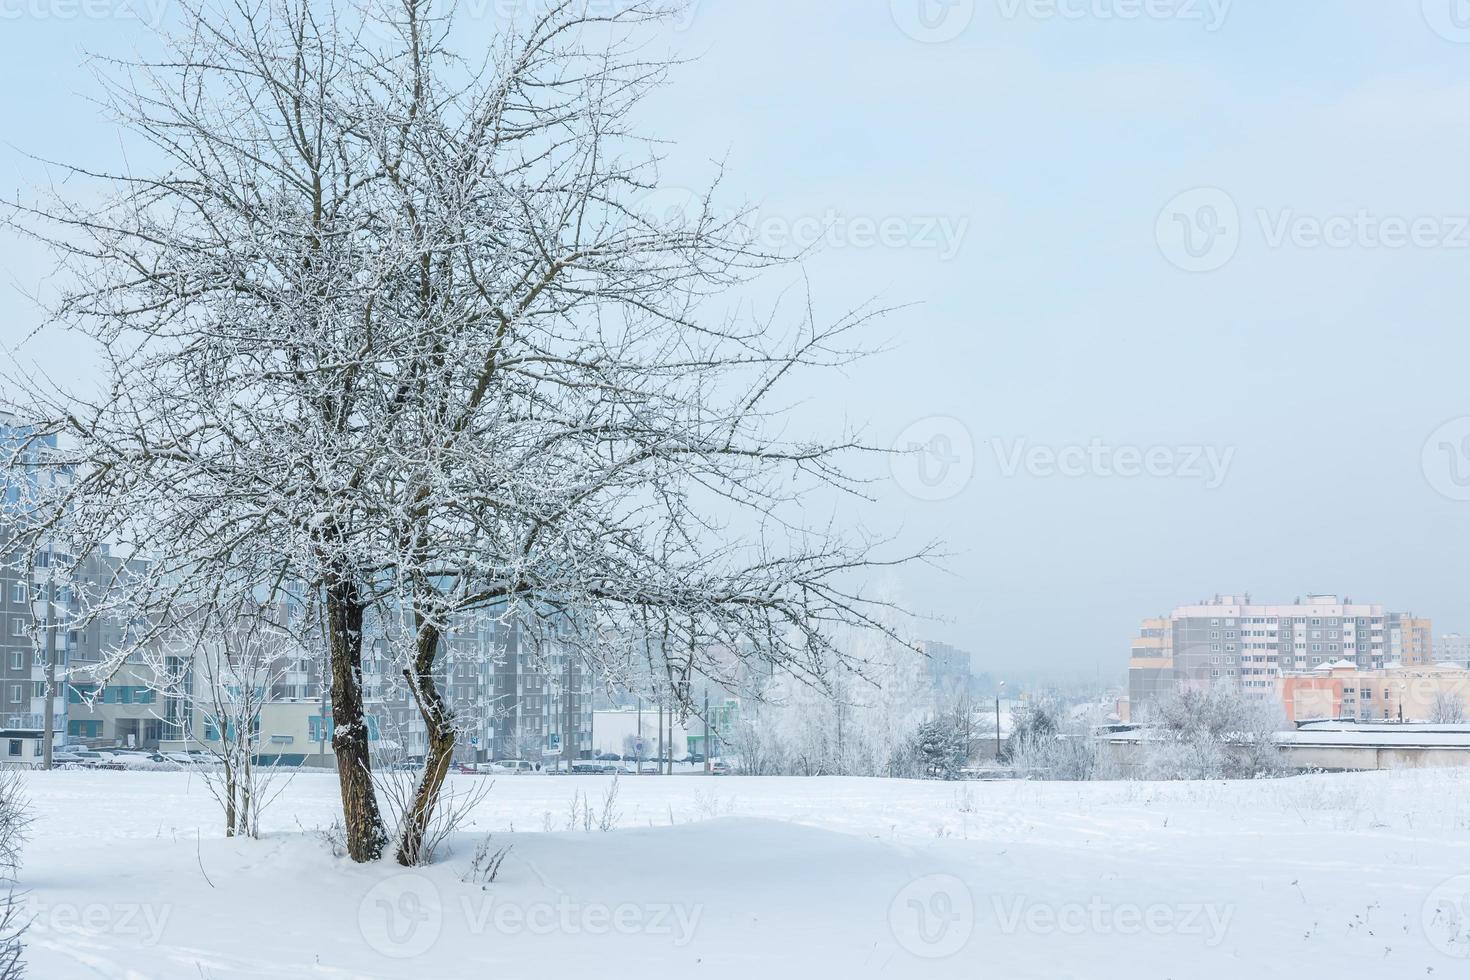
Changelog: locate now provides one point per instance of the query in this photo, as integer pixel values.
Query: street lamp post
(998, 691)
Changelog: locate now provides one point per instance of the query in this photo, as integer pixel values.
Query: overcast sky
(1189, 280)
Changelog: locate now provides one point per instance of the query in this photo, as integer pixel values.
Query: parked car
(92, 759)
(593, 769)
(62, 757)
(610, 757)
(513, 766)
(719, 769)
(694, 758)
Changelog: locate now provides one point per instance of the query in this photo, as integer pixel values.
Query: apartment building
(948, 668)
(1410, 640)
(1232, 642)
(1342, 690)
(514, 696)
(1453, 648)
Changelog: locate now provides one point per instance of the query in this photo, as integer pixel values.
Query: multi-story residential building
(1342, 690)
(1151, 662)
(1453, 648)
(514, 697)
(1231, 641)
(948, 667)
(1410, 640)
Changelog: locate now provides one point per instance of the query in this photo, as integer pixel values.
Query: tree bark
(439, 723)
(362, 820)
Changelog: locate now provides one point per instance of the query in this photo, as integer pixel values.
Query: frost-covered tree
(1048, 741)
(219, 671)
(1212, 734)
(1447, 708)
(859, 718)
(392, 324)
(15, 821)
(939, 748)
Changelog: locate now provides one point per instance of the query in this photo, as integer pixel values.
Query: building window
(14, 746)
(17, 627)
(15, 690)
(18, 592)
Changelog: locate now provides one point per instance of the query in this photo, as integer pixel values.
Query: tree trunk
(361, 818)
(439, 723)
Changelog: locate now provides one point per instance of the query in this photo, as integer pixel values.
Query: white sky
(1024, 165)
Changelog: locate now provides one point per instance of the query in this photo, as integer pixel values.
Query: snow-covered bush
(15, 821)
(1046, 743)
(1212, 734)
(856, 715)
(940, 749)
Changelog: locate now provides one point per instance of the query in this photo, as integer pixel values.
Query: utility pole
(638, 745)
(997, 719)
(660, 737)
(707, 744)
(48, 721)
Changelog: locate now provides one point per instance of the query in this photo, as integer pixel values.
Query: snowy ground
(1366, 875)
